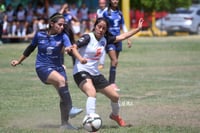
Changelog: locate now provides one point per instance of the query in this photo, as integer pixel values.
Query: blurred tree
(152, 6)
(159, 5)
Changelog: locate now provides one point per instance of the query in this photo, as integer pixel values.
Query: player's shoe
(115, 87)
(74, 112)
(68, 126)
(118, 119)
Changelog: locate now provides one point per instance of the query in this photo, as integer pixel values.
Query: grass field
(160, 90)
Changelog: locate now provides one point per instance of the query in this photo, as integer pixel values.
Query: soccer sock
(90, 105)
(14, 29)
(115, 108)
(65, 103)
(112, 74)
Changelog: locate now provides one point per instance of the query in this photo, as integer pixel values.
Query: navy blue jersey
(49, 48)
(115, 19)
(68, 17)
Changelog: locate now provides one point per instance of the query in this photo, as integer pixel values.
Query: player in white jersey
(88, 50)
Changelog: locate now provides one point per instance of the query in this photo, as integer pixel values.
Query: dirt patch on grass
(163, 115)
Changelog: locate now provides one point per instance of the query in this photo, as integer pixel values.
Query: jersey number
(116, 22)
(49, 50)
(98, 53)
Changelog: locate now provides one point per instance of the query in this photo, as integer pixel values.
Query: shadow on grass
(47, 126)
(114, 126)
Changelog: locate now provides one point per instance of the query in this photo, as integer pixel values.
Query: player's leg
(84, 81)
(89, 90)
(113, 66)
(102, 60)
(59, 82)
(114, 97)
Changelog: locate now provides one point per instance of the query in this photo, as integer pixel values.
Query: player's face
(114, 3)
(58, 26)
(100, 29)
(102, 4)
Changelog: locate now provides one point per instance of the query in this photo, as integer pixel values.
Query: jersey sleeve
(66, 41)
(122, 18)
(83, 41)
(34, 41)
(31, 47)
(110, 38)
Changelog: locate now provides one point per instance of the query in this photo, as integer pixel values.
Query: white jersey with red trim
(92, 51)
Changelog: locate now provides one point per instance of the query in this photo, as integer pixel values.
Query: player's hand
(83, 61)
(14, 63)
(129, 43)
(68, 50)
(140, 22)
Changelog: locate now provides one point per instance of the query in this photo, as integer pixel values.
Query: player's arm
(83, 41)
(62, 10)
(130, 33)
(126, 30)
(77, 54)
(26, 53)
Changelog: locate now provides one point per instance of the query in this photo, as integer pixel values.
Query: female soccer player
(116, 21)
(49, 64)
(88, 50)
(100, 11)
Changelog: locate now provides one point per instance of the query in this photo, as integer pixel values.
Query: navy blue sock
(112, 74)
(65, 103)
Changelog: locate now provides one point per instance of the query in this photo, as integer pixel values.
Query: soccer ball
(92, 122)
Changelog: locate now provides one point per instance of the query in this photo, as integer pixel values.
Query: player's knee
(115, 62)
(115, 98)
(61, 81)
(90, 93)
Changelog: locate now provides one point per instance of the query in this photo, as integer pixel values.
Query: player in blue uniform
(48, 64)
(100, 11)
(88, 50)
(116, 22)
(70, 19)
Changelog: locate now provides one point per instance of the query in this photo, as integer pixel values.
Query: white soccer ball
(92, 122)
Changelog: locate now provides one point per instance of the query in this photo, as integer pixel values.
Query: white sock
(5, 25)
(90, 105)
(24, 32)
(13, 29)
(115, 108)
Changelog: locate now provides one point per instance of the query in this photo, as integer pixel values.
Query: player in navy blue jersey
(100, 11)
(70, 19)
(88, 50)
(116, 22)
(48, 64)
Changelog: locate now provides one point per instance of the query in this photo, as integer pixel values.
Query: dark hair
(68, 30)
(109, 7)
(107, 24)
(55, 17)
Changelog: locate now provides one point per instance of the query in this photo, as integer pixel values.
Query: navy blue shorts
(43, 72)
(116, 47)
(99, 81)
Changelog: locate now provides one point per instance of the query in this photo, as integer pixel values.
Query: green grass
(160, 90)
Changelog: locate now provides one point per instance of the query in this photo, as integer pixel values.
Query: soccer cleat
(68, 126)
(118, 119)
(74, 112)
(115, 87)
